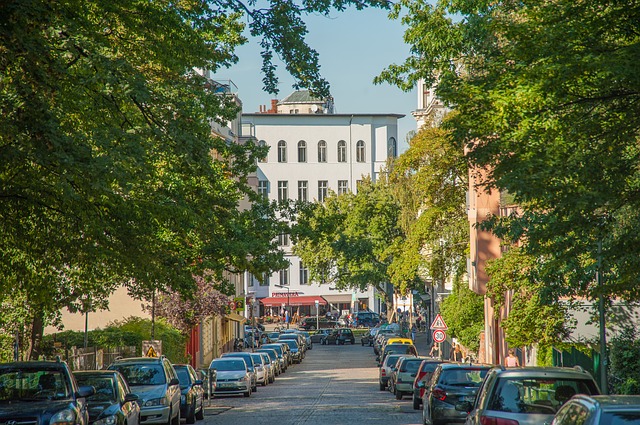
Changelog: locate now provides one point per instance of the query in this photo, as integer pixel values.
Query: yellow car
(399, 341)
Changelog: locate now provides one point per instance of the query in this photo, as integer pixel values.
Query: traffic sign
(152, 348)
(439, 335)
(438, 323)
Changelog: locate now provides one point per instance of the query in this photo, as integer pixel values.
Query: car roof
(139, 360)
(465, 365)
(543, 372)
(34, 364)
(611, 403)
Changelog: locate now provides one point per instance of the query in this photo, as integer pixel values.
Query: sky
(354, 47)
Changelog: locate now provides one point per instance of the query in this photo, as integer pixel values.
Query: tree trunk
(37, 329)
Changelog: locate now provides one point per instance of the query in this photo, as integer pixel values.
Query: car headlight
(66, 416)
(162, 401)
(109, 420)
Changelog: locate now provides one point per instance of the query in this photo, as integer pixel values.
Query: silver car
(600, 410)
(526, 395)
(232, 376)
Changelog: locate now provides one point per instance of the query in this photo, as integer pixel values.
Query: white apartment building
(312, 151)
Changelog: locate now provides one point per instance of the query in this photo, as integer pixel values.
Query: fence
(94, 358)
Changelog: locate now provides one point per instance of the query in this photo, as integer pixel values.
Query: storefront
(297, 305)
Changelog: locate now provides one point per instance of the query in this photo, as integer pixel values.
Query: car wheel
(170, 421)
(313, 328)
(416, 403)
(398, 395)
(264, 383)
(191, 415)
(382, 386)
(200, 413)
(247, 394)
(176, 420)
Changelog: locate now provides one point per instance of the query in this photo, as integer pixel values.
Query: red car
(424, 374)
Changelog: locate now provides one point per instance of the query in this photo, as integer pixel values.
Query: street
(333, 385)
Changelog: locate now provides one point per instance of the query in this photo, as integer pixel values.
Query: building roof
(300, 96)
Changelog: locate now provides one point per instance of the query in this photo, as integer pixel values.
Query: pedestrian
(413, 332)
(511, 360)
(419, 322)
(435, 351)
(456, 354)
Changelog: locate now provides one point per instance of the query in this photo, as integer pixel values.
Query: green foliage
(624, 362)
(544, 356)
(463, 311)
(547, 102)
(531, 320)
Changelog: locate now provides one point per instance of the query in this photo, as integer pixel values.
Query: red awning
(294, 301)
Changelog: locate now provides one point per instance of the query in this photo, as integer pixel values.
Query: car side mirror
(86, 391)
(174, 381)
(131, 397)
(464, 406)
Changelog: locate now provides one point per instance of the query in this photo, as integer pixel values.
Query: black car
(113, 403)
(339, 337)
(367, 319)
(192, 393)
(310, 323)
(42, 393)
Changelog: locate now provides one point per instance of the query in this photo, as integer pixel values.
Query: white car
(261, 370)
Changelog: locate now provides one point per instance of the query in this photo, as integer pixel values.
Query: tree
(429, 181)
(108, 172)
(346, 240)
(547, 103)
(463, 311)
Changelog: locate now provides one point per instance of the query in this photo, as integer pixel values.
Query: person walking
(511, 360)
(456, 354)
(413, 332)
(435, 351)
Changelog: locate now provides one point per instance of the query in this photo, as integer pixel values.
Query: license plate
(225, 385)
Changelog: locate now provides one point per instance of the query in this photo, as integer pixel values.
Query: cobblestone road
(334, 385)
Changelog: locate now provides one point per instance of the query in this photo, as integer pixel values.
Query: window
(392, 148)
(265, 280)
(252, 280)
(262, 144)
(360, 153)
(342, 151)
(304, 274)
(322, 151)
(343, 186)
(282, 151)
(283, 190)
(323, 187)
(263, 188)
(284, 277)
(303, 190)
(283, 239)
(302, 151)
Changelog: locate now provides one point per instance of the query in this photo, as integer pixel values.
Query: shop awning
(294, 301)
(339, 298)
(235, 317)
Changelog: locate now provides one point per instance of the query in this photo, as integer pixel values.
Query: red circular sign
(439, 335)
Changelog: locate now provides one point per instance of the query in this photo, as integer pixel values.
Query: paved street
(333, 385)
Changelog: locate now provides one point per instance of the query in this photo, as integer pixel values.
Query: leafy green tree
(463, 311)
(346, 240)
(625, 364)
(547, 101)
(110, 173)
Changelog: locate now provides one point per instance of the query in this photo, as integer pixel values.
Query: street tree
(547, 95)
(346, 240)
(110, 174)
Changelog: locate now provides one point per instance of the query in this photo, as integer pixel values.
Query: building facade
(313, 151)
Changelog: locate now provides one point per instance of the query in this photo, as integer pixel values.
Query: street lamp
(288, 302)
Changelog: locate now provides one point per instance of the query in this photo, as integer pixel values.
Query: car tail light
(488, 420)
(384, 372)
(439, 393)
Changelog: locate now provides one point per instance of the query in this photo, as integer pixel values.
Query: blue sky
(354, 46)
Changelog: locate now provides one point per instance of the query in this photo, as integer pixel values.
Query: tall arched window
(302, 151)
(360, 153)
(392, 148)
(342, 151)
(322, 151)
(282, 151)
(262, 144)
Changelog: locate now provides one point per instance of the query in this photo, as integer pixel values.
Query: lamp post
(288, 302)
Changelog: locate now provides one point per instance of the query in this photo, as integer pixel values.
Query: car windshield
(228, 365)
(141, 374)
(275, 347)
(271, 354)
(463, 377)
(33, 384)
(537, 395)
(410, 365)
(104, 385)
(620, 417)
(257, 358)
(183, 375)
(391, 360)
(292, 343)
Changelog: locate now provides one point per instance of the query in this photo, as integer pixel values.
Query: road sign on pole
(439, 335)
(438, 323)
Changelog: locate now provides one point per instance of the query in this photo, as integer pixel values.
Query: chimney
(274, 107)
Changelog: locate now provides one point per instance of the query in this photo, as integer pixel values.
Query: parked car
(112, 403)
(319, 335)
(275, 357)
(386, 369)
(282, 354)
(397, 349)
(155, 381)
(339, 337)
(310, 323)
(270, 366)
(366, 319)
(599, 410)
(296, 351)
(527, 395)
(307, 339)
(451, 383)
(192, 393)
(427, 367)
(42, 393)
(262, 374)
(250, 366)
(403, 376)
(300, 339)
(368, 337)
(232, 376)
